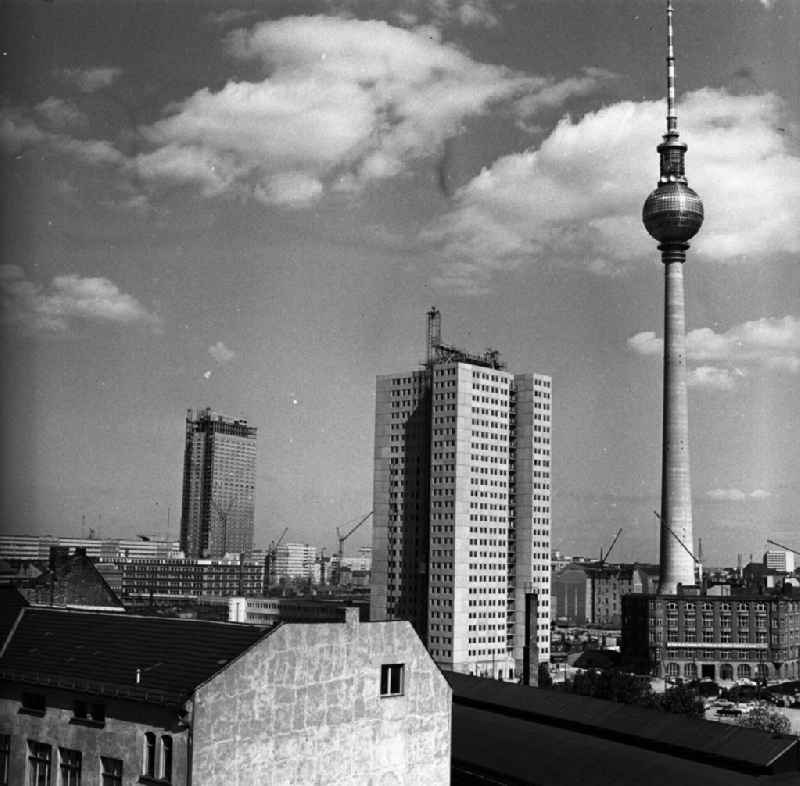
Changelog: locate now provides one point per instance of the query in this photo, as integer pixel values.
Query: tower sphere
(673, 213)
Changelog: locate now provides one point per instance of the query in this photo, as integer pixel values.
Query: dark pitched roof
(492, 748)
(745, 750)
(102, 652)
(73, 580)
(11, 603)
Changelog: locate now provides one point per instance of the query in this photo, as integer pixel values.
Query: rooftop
(487, 711)
(152, 659)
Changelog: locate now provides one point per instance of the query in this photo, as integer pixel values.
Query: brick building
(723, 637)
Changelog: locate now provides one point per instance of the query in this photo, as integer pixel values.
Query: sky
(252, 206)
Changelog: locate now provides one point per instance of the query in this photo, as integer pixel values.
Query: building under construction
(461, 527)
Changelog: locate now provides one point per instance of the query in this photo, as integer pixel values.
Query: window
(33, 703)
(38, 763)
(111, 770)
(392, 679)
(70, 766)
(5, 756)
(673, 669)
(87, 714)
(149, 755)
(166, 758)
(743, 670)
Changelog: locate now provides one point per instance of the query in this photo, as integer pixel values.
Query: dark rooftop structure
(70, 581)
(151, 659)
(512, 734)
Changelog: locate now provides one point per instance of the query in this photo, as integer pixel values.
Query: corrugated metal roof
(509, 750)
(104, 651)
(747, 750)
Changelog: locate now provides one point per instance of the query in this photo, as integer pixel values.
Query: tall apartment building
(461, 522)
(219, 475)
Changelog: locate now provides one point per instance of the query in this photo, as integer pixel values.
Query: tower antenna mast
(673, 214)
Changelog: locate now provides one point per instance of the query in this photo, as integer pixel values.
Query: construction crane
(781, 546)
(684, 546)
(608, 550)
(270, 559)
(343, 538)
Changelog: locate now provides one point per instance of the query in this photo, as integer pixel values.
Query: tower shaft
(676, 565)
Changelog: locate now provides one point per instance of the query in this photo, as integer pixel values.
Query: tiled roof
(734, 747)
(102, 652)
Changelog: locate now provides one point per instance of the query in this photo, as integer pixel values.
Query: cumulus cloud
(577, 198)
(768, 343)
(69, 298)
(221, 353)
(346, 102)
(89, 80)
(737, 495)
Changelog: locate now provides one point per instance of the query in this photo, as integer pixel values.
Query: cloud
(576, 200)
(230, 16)
(467, 13)
(221, 353)
(711, 378)
(17, 131)
(60, 113)
(737, 495)
(89, 80)
(552, 93)
(771, 344)
(68, 299)
(346, 102)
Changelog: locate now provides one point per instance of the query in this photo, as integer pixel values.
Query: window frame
(109, 776)
(392, 680)
(70, 766)
(40, 763)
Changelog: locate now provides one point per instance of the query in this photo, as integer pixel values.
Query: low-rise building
(722, 637)
(190, 578)
(122, 699)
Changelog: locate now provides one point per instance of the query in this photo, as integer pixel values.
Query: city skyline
(163, 250)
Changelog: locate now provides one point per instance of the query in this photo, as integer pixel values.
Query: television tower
(673, 214)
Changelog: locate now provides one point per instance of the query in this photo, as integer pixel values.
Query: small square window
(392, 679)
(33, 703)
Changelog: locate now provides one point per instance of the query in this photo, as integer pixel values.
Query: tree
(681, 700)
(766, 719)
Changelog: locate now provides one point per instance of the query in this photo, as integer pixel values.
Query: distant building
(461, 500)
(779, 560)
(268, 612)
(295, 561)
(722, 637)
(119, 699)
(590, 593)
(190, 578)
(219, 476)
(37, 547)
